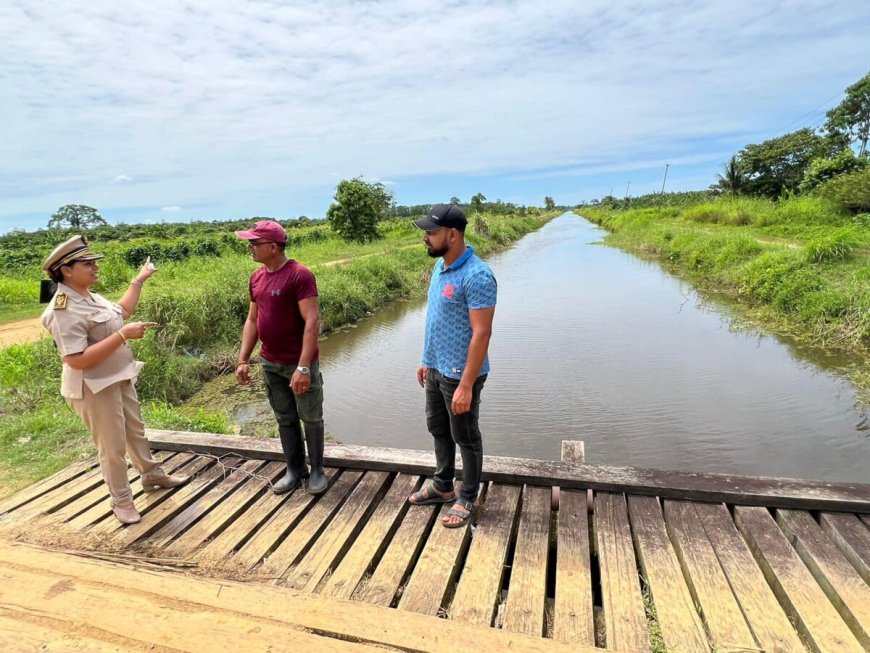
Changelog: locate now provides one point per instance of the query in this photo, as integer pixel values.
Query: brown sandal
(429, 495)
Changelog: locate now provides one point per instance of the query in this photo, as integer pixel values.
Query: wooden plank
(100, 493)
(228, 511)
(479, 588)
(292, 508)
(177, 502)
(573, 619)
(25, 631)
(297, 542)
(339, 535)
(846, 590)
(145, 618)
(764, 491)
(372, 541)
(527, 593)
(706, 579)
(59, 478)
(186, 595)
(768, 622)
(794, 586)
(203, 504)
(681, 625)
(103, 511)
(624, 617)
(852, 537)
(61, 495)
(384, 583)
(436, 569)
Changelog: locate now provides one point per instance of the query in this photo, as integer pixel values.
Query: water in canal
(591, 343)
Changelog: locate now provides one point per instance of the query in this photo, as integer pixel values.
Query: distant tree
(851, 118)
(455, 201)
(549, 204)
(358, 208)
(778, 165)
(732, 180)
(821, 170)
(477, 202)
(76, 216)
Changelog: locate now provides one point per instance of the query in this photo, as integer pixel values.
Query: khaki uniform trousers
(115, 422)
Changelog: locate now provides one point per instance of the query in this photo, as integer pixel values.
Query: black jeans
(450, 430)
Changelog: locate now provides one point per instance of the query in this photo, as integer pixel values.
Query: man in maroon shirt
(284, 317)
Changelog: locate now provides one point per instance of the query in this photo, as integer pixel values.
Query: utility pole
(667, 165)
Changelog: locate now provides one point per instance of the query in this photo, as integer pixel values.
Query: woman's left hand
(147, 270)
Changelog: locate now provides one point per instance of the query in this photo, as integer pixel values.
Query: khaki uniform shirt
(79, 322)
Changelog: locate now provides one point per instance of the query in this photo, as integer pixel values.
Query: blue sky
(168, 110)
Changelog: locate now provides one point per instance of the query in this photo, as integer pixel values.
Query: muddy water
(591, 343)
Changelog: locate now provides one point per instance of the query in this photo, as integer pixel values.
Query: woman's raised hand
(136, 330)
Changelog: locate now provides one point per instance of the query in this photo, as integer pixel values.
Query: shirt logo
(276, 293)
(448, 291)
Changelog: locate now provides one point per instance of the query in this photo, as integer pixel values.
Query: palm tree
(733, 179)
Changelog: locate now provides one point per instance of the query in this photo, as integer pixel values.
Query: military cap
(75, 249)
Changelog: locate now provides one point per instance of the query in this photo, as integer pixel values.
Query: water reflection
(591, 343)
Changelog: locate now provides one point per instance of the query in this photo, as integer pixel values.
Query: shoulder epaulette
(60, 301)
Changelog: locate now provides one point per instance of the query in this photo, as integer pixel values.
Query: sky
(171, 111)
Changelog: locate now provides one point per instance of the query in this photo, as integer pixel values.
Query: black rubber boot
(317, 482)
(294, 454)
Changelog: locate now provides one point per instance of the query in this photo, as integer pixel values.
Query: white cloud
(170, 209)
(231, 101)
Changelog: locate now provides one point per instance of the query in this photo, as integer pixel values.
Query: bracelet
(123, 338)
(136, 282)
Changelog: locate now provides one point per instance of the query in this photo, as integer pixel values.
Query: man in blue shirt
(454, 366)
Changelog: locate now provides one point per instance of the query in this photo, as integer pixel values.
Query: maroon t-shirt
(279, 322)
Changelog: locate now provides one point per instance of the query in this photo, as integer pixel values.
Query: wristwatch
(303, 370)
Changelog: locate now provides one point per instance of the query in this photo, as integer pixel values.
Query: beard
(436, 253)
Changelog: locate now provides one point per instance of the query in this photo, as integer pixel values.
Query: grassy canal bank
(200, 303)
(797, 267)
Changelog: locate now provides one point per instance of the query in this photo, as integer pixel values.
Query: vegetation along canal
(591, 343)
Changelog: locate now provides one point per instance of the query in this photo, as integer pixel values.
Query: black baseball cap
(441, 216)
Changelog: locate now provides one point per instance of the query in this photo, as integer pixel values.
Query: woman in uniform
(99, 370)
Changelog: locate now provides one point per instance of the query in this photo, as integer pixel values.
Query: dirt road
(14, 333)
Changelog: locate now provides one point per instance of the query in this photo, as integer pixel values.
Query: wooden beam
(669, 484)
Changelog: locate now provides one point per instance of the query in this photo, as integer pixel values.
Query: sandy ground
(15, 333)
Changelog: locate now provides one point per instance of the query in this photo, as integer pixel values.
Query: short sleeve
(481, 289)
(306, 284)
(70, 332)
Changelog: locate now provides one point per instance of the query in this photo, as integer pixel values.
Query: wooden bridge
(563, 557)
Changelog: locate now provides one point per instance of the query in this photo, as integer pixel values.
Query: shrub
(835, 246)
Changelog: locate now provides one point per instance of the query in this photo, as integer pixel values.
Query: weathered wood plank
(384, 583)
(435, 572)
(797, 591)
(624, 616)
(846, 590)
(61, 495)
(766, 491)
(59, 478)
(248, 525)
(282, 521)
(573, 620)
(527, 593)
(372, 541)
(351, 622)
(339, 534)
(227, 512)
(768, 622)
(307, 530)
(706, 579)
(103, 511)
(852, 537)
(204, 503)
(23, 630)
(480, 584)
(100, 493)
(681, 625)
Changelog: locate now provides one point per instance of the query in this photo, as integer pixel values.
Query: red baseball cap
(265, 229)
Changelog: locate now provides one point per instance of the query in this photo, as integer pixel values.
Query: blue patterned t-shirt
(466, 285)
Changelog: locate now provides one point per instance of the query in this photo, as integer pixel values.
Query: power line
(811, 112)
